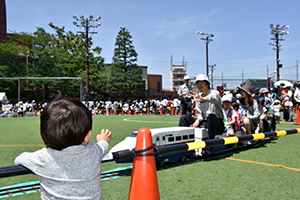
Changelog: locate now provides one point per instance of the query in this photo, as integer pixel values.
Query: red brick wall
(152, 83)
(2, 20)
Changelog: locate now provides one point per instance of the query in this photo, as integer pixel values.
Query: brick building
(2, 21)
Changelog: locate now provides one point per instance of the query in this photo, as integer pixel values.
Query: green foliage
(125, 76)
(14, 60)
(58, 54)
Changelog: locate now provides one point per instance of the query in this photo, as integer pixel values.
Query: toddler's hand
(105, 135)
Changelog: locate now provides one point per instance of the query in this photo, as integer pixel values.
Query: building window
(158, 86)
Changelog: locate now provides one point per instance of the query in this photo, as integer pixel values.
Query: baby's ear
(87, 137)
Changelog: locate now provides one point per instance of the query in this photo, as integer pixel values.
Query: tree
(125, 75)
(14, 61)
(58, 54)
(63, 54)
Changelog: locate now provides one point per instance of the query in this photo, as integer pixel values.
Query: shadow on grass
(230, 152)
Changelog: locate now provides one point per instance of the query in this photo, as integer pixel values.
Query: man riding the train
(209, 110)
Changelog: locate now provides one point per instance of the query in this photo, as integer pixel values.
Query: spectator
(176, 105)
(277, 108)
(247, 102)
(266, 117)
(239, 124)
(229, 115)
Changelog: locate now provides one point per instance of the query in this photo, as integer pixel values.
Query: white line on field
(160, 122)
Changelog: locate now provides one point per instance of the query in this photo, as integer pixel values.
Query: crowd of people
(20, 109)
(250, 104)
(241, 111)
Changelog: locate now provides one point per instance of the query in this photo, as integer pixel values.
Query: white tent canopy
(3, 97)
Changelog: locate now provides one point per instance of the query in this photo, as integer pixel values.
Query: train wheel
(182, 159)
(160, 163)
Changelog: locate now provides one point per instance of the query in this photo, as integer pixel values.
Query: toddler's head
(65, 122)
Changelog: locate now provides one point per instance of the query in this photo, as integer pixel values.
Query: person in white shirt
(184, 92)
(176, 106)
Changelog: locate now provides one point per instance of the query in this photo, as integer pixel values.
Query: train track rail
(33, 187)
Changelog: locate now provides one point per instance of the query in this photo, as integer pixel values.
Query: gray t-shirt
(212, 106)
(72, 173)
(185, 89)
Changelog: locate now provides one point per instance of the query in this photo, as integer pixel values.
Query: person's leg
(189, 107)
(247, 125)
(186, 120)
(214, 126)
(183, 107)
(291, 114)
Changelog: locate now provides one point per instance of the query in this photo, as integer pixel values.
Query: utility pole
(87, 24)
(278, 31)
(207, 40)
(297, 70)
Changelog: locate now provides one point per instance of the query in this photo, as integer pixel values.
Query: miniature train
(165, 137)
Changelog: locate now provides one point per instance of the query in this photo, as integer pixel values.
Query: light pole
(207, 39)
(87, 24)
(278, 31)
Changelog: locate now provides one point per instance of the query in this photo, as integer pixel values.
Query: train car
(164, 137)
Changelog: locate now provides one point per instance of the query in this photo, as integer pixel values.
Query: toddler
(69, 166)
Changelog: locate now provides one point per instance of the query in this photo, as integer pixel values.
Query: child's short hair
(235, 105)
(65, 122)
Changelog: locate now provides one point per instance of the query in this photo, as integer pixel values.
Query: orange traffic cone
(180, 111)
(298, 117)
(144, 178)
(160, 111)
(147, 111)
(172, 111)
(195, 112)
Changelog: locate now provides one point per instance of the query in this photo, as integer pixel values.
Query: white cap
(201, 77)
(226, 98)
(186, 77)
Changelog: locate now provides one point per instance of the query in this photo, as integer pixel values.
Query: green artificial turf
(215, 179)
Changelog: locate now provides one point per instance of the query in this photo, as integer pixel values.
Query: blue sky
(163, 28)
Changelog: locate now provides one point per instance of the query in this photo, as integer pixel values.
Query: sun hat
(247, 88)
(263, 90)
(201, 77)
(186, 77)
